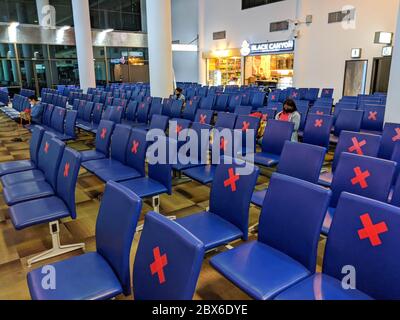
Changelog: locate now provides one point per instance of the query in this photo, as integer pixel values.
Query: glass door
(355, 77)
(40, 76)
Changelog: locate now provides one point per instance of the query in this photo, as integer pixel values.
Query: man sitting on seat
(178, 95)
(36, 111)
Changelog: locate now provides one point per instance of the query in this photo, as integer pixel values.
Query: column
(202, 62)
(143, 15)
(83, 38)
(159, 30)
(392, 107)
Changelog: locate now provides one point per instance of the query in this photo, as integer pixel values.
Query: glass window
(32, 51)
(65, 72)
(23, 11)
(9, 73)
(63, 52)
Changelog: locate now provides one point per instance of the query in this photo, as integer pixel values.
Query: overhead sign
(271, 47)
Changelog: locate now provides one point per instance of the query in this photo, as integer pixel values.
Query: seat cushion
(38, 211)
(145, 187)
(84, 125)
(181, 167)
(259, 270)
(22, 177)
(16, 166)
(203, 174)
(325, 179)
(266, 159)
(85, 277)
(92, 155)
(117, 173)
(27, 191)
(321, 287)
(95, 165)
(212, 230)
(258, 198)
(328, 221)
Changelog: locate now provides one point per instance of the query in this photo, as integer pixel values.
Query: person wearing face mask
(36, 110)
(178, 95)
(290, 114)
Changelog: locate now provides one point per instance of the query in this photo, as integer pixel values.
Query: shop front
(269, 64)
(224, 67)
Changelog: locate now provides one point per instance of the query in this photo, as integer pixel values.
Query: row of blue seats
(20, 104)
(55, 99)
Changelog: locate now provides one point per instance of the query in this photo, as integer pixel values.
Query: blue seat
(103, 274)
(97, 115)
(167, 105)
(47, 113)
(131, 111)
(176, 126)
(352, 142)
(299, 160)
(341, 106)
(243, 110)
(204, 116)
(168, 261)
(257, 101)
(176, 108)
(363, 235)
(228, 217)
(117, 114)
(103, 140)
(349, 120)
(190, 110)
(321, 110)
(275, 136)
(85, 123)
(248, 125)
(226, 120)
(158, 122)
(221, 103)
(155, 108)
(268, 113)
(374, 117)
(390, 136)
(234, 102)
(24, 165)
(365, 176)
(246, 99)
(207, 103)
(134, 164)
(70, 124)
(142, 115)
(286, 250)
(318, 130)
(327, 93)
(57, 120)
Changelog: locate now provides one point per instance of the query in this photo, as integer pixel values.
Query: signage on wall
(356, 53)
(267, 48)
(387, 51)
(118, 61)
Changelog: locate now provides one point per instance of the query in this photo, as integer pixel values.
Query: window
(247, 4)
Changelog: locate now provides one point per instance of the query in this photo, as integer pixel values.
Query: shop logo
(245, 50)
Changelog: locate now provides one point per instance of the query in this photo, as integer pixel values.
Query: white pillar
(83, 38)
(159, 31)
(202, 62)
(393, 107)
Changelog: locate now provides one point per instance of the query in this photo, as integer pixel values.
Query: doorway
(355, 77)
(381, 74)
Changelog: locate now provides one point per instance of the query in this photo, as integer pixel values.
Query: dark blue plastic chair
(390, 137)
(190, 110)
(103, 140)
(318, 130)
(204, 116)
(348, 120)
(226, 121)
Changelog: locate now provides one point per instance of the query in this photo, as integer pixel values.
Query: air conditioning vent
(279, 26)
(340, 16)
(219, 35)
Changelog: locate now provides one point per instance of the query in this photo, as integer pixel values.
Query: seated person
(36, 111)
(178, 95)
(291, 114)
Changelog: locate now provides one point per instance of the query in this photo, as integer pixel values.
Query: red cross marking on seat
(237, 98)
(103, 133)
(98, 107)
(233, 178)
(148, 99)
(319, 123)
(373, 116)
(273, 97)
(360, 178)
(357, 146)
(203, 118)
(135, 146)
(223, 144)
(397, 136)
(372, 231)
(61, 112)
(66, 170)
(295, 94)
(119, 109)
(141, 106)
(320, 113)
(191, 102)
(179, 128)
(46, 147)
(327, 92)
(246, 126)
(157, 267)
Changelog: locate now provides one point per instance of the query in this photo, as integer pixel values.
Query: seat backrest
(321, 110)
(50, 154)
(34, 144)
(207, 103)
(57, 119)
(168, 261)
(137, 150)
(190, 110)
(243, 110)
(226, 120)
(131, 110)
(234, 101)
(390, 136)
(116, 114)
(275, 136)
(362, 144)
(143, 112)
(97, 112)
(374, 117)
(161, 173)
(114, 233)
(364, 235)
(231, 193)
(246, 123)
(67, 177)
(119, 142)
(245, 99)
(302, 161)
(48, 112)
(103, 136)
(156, 108)
(292, 216)
(70, 123)
(87, 115)
(327, 93)
(81, 108)
(177, 125)
(159, 122)
(204, 116)
(221, 102)
(349, 120)
(257, 100)
(167, 105)
(366, 176)
(318, 129)
(176, 108)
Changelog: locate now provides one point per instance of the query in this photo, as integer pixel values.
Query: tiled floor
(16, 246)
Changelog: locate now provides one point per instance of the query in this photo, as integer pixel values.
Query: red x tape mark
(103, 133)
(372, 231)
(179, 128)
(46, 147)
(246, 126)
(66, 170)
(373, 115)
(397, 136)
(223, 144)
(360, 178)
(319, 123)
(203, 118)
(320, 113)
(233, 178)
(157, 267)
(141, 106)
(135, 146)
(273, 97)
(295, 94)
(357, 146)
